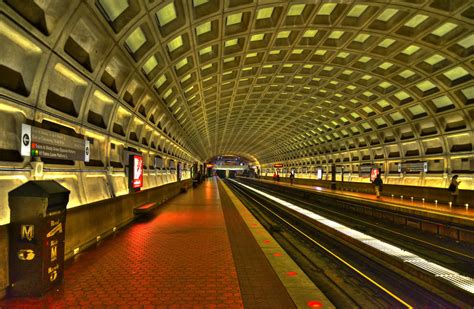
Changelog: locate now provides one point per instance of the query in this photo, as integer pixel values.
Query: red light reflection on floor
(277, 254)
(291, 273)
(208, 190)
(314, 304)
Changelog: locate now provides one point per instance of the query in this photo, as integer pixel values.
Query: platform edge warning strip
(259, 284)
(456, 279)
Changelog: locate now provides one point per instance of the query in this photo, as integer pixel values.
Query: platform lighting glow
(357, 10)
(234, 19)
(310, 33)
(175, 43)
(203, 28)
(136, 40)
(467, 42)
(361, 38)
(265, 13)
(463, 282)
(18, 39)
(387, 15)
(166, 14)
(69, 74)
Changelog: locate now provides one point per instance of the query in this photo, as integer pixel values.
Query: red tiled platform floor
(180, 258)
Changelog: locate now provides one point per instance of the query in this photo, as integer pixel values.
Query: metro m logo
(28, 232)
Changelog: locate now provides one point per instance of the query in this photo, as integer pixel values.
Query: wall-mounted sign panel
(413, 167)
(38, 142)
(278, 165)
(319, 173)
(136, 172)
(158, 163)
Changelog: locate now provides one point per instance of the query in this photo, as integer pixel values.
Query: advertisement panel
(136, 172)
(373, 174)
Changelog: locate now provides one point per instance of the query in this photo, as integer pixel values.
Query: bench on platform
(145, 208)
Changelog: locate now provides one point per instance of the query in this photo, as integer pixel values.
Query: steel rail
(335, 255)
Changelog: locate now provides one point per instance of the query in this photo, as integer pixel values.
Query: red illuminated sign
(279, 165)
(137, 173)
(209, 165)
(373, 174)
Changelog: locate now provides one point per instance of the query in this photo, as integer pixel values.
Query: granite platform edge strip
(259, 284)
(282, 263)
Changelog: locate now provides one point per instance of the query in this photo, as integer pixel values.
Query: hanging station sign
(38, 142)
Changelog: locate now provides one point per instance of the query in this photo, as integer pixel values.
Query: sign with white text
(38, 142)
(413, 167)
(319, 173)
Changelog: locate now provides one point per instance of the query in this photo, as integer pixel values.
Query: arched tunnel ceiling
(275, 80)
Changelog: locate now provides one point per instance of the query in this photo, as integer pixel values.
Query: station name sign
(38, 142)
(278, 165)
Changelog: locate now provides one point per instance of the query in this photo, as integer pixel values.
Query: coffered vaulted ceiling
(277, 80)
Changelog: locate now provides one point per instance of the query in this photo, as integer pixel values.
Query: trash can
(36, 235)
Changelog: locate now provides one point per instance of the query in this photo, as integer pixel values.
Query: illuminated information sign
(38, 142)
(136, 171)
(373, 174)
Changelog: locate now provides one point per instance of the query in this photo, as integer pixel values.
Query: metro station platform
(406, 202)
(202, 249)
(438, 219)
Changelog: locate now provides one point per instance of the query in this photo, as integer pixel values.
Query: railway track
(348, 273)
(449, 253)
